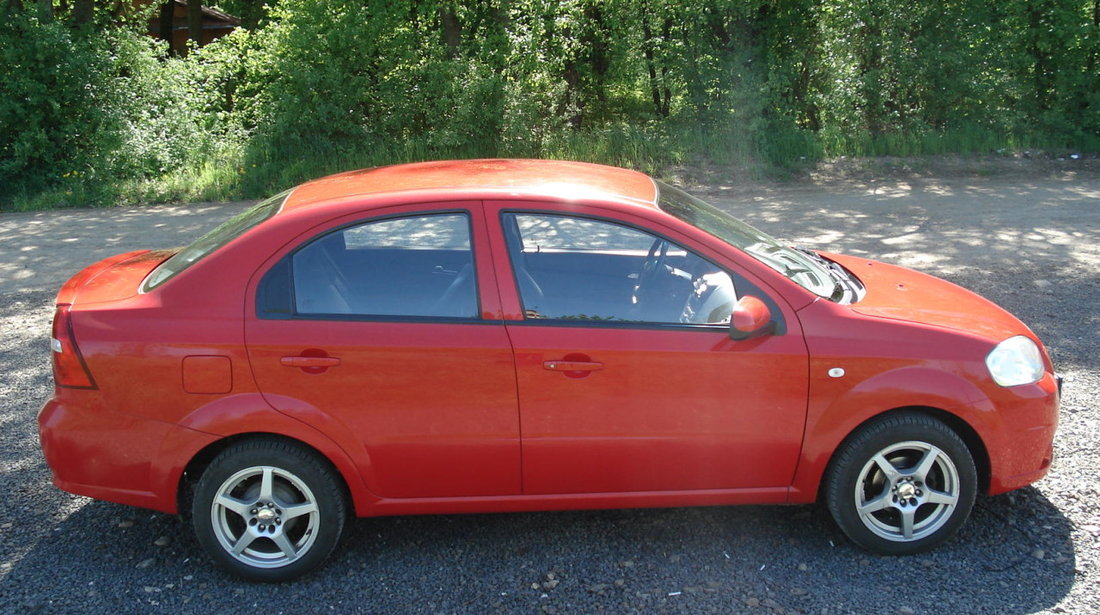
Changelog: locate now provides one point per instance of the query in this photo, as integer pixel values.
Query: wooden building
(170, 24)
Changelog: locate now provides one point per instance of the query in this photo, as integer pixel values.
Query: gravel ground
(1031, 245)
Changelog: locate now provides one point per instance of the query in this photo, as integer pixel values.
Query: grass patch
(694, 151)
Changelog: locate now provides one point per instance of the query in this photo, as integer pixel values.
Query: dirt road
(1031, 245)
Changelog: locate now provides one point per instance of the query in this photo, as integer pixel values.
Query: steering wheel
(712, 300)
(652, 266)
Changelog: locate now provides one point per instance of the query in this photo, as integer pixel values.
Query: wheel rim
(265, 517)
(907, 491)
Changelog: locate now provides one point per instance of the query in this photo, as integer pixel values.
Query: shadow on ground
(771, 559)
(1032, 247)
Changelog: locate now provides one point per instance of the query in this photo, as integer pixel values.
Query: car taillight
(69, 369)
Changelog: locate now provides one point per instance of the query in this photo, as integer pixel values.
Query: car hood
(898, 293)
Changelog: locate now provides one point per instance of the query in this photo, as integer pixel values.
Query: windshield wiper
(843, 282)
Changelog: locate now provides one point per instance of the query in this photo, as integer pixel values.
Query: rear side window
(208, 243)
(413, 266)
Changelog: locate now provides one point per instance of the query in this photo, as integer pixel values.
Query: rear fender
(238, 415)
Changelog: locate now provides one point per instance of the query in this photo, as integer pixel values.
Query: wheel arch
(833, 417)
(206, 431)
(957, 424)
(198, 463)
(342, 468)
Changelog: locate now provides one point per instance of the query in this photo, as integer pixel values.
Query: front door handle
(572, 366)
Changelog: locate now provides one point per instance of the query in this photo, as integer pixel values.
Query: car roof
(483, 178)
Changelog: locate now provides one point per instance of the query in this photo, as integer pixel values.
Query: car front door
(628, 378)
(387, 328)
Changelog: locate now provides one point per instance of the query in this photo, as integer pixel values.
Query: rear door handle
(310, 361)
(572, 366)
(311, 365)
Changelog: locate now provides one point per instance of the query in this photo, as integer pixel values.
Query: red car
(509, 335)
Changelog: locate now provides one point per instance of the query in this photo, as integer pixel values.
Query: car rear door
(384, 330)
(617, 392)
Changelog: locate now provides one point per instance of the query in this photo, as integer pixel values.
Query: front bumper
(1024, 449)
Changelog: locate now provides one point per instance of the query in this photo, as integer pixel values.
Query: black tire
(916, 503)
(281, 499)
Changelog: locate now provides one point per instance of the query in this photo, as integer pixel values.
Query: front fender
(237, 415)
(835, 412)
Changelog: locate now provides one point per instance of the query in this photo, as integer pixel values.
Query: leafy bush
(57, 106)
(83, 109)
(309, 87)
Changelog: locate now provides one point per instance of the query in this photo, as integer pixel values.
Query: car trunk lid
(113, 278)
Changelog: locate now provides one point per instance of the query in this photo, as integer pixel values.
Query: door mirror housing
(751, 318)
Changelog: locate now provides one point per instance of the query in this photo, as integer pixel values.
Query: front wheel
(268, 510)
(901, 484)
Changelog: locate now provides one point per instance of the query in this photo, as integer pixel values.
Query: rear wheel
(901, 484)
(268, 510)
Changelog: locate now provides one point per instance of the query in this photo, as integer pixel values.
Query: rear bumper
(108, 455)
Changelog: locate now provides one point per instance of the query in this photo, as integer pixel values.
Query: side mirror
(751, 318)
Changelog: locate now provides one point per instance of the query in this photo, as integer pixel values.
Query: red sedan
(502, 335)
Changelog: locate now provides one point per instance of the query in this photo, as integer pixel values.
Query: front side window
(413, 266)
(580, 269)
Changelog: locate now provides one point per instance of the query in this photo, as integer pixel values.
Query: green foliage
(55, 107)
(159, 110)
(81, 111)
(310, 87)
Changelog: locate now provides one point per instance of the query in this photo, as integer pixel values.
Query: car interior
(617, 281)
(625, 276)
(330, 278)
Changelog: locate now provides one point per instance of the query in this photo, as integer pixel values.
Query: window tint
(566, 233)
(439, 232)
(418, 266)
(592, 270)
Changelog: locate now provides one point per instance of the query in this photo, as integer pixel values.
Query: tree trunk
(870, 70)
(666, 34)
(1094, 53)
(82, 11)
(452, 29)
(1042, 64)
(596, 41)
(167, 21)
(194, 20)
(650, 60)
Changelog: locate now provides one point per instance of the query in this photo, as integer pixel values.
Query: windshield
(805, 270)
(223, 234)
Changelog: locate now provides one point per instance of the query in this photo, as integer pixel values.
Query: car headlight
(1015, 361)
